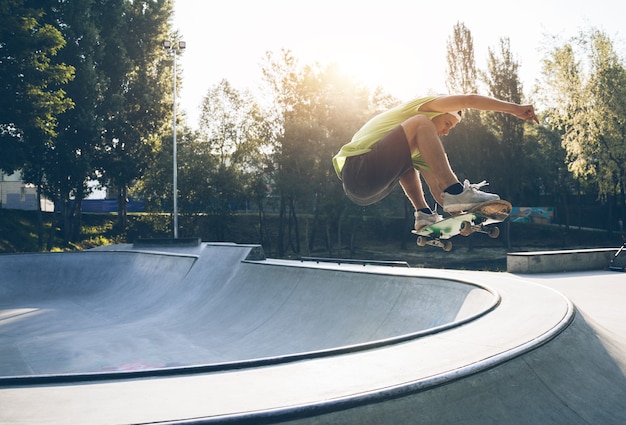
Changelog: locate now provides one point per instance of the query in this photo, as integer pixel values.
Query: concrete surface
(93, 312)
(201, 335)
(559, 261)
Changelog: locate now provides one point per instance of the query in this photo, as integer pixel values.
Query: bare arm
(483, 103)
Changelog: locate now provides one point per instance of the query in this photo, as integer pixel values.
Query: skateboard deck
(478, 219)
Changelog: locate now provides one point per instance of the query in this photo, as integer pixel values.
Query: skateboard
(478, 219)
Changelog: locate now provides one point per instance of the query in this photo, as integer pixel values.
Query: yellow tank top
(377, 127)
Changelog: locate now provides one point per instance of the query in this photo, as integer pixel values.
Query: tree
(461, 65)
(318, 110)
(560, 93)
(31, 83)
(467, 146)
(584, 102)
(282, 77)
(31, 92)
(156, 186)
(137, 100)
(508, 146)
(233, 136)
(347, 104)
(605, 152)
(70, 167)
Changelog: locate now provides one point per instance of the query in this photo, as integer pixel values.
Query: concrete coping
(166, 242)
(559, 261)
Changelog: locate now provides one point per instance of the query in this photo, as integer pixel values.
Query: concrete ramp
(218, 334)
(103, 311)
(577, 378)
(64, 313)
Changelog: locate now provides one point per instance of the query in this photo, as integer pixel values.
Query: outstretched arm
(483, 103)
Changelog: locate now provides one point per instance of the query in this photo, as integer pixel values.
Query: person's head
(446, 122)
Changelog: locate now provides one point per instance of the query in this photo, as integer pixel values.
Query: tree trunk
(339, 227)
(313, 233)
(40, 234)
(53, 226)
(293, 224)
(329, 243)
(67, 226)
(408, 223)
(76, 219)
(352, 236)
(263, 237)
(281, 227)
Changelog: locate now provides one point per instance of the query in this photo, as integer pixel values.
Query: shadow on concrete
(577, 378)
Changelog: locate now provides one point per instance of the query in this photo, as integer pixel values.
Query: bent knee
(416, 123)
(414, 126)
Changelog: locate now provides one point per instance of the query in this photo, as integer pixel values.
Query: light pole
(174, 48)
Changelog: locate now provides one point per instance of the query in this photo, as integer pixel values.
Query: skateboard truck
(467, 228)
(446, 245)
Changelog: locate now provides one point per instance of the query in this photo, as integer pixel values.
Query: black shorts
(370, 177)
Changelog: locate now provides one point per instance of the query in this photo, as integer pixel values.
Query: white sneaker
(469, 198)
(422, 219)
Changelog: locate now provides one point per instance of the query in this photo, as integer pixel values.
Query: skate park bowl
(217, 333)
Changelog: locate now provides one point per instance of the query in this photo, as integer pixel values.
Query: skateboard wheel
(447, 246)
(466, 228)
(421, 241)
(494, 232)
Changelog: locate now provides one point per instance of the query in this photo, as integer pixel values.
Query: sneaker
(422, 219)
(469, 198)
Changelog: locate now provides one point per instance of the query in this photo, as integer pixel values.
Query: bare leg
(422, 136)
(436, 189)
(412, 186)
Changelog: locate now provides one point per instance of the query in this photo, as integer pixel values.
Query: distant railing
(353, 261)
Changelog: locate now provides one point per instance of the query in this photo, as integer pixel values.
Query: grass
(18, 231)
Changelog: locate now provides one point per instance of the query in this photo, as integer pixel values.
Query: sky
(397, 44)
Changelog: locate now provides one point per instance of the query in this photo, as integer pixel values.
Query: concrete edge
(559, 261)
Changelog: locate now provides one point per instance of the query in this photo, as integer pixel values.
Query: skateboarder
(400, 144)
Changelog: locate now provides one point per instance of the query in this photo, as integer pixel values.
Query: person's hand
(526, 112)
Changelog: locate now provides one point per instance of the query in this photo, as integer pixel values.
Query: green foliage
(146, 226)
(18, 230)
(31, 80)
(485, 145)
(136, 104)
(461, 71)
(105, 123)
(585, 101)
(379, 238)
(467, 146)
(502, 80)
(317, 110)
(86, 93)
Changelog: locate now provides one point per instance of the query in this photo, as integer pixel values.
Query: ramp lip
(379, 395)
(404, 389)
(401, 390)
(101, 252)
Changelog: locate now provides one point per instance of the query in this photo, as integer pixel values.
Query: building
(17, 195)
